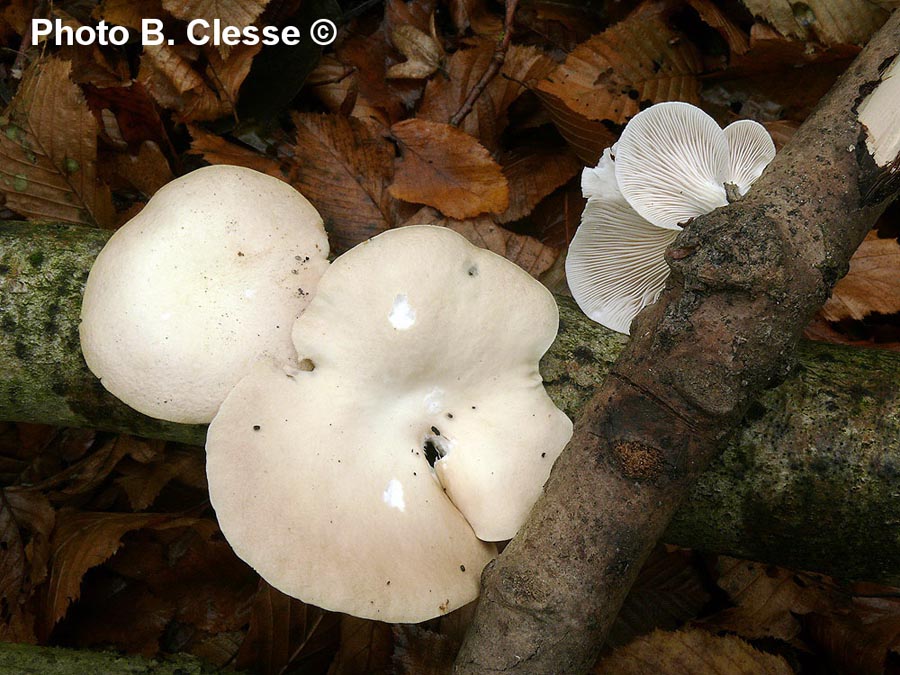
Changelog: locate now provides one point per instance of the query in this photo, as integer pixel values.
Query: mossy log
(22, 659)
(811, 481)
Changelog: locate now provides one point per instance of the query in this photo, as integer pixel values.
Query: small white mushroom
(363, 485)
(672, 163)
(209, 276)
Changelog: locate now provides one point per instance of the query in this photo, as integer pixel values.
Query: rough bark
(817, 453)
(745, 280)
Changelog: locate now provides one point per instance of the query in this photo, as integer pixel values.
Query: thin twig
(491, 72)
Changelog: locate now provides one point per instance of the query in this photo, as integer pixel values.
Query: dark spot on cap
(435, 431)
(256, 427)
(462, 568)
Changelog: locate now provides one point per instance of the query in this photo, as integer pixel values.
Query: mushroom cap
(320, 478)
(209, 276)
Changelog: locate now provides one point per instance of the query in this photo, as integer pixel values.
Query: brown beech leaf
(216, 150)
(366, 647)
(769, 599)
(445, 94)
(343, 166)
(336, 86)
(147, 171)
(527, 252)
(446, 168)
(689, 652)
(285, 632)
(82, 540)
(143, 482)
(169, 75)
(828, 21)
(860, 640)
(713, 16)
(638, 61)
(533, 172)
(668, 591)
(238, 13)
(48, 150)
(871, 285)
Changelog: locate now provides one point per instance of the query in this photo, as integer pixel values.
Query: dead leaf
(446, 168)
(713, 16)
(343, 166)
(769, 599)
(147, 171)
(143, 482)
(216, 150)
(169, 75)
(822, 331)
(533, 172)
(22, 565)
(527, 252)
(860, 641)
(668, 591)
(335, 85)
(48, 146)
(285, 632)
(828, 21)
(871, 285)
(366, 647)
(637, 62)
(422, 51)
(128, 13)
(82, 540)
(445, 94)
(238, 13)
(689, 652)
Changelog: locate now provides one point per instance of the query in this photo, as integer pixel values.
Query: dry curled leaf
(769, 599)
(169, 75)
(422, 51)
(828, 21)
(48, 150)
(871, 285)
(638, 61)
(527, 252)
(691, 652)
(446, 168)
(713, 16)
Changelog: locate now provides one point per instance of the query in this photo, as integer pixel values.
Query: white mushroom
(672, 163)
(424, 351)
(209, 276)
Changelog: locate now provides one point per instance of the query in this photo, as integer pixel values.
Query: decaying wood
(818, 452)
(745, 281)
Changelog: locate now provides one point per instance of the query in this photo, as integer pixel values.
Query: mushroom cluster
(376, 423)
(208, 277)
(672, 163)
(370, 481)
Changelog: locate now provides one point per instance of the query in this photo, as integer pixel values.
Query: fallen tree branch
(494, 67)
(745, 281)
(820, 451)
